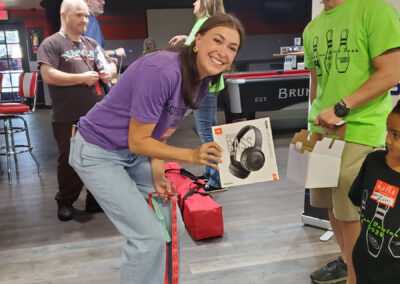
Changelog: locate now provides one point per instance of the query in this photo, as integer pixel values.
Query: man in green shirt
(353, 51)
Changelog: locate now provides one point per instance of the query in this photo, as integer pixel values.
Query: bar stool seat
(13, 108)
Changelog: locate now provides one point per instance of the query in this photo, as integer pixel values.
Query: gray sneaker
(210, 189)
(334, 272)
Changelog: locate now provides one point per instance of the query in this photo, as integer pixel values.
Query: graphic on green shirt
(328, 55)
(317, 63)
(343, 55)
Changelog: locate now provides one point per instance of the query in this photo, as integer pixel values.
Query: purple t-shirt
(148, 91)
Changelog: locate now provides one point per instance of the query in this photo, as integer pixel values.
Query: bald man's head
(74, 16)
(68, 5)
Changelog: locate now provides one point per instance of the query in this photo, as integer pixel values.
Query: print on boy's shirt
(337, 50)
(384, 193)
(394, 244)
(385, 196)
(376, 232)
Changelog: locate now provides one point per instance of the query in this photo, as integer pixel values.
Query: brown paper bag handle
(73, 130)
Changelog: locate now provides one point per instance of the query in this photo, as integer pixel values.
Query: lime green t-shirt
(213, 88)
(340, 44)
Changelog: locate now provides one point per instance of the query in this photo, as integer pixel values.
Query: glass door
(11, 60)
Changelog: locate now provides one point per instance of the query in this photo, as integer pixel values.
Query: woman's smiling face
(217, 49)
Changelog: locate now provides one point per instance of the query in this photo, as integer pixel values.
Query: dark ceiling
(120, 7)
(269, 11)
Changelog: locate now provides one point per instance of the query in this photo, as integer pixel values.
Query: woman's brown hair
(190, 75)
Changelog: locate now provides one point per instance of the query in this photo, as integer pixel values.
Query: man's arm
(56, 77)
(141, 142)
(386, 76)
(116, 52)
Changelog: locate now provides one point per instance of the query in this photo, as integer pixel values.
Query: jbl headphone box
(248, 152)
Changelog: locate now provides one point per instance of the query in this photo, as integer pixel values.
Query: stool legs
(28, 139)
(8, 131)
(7, 147)
(13, 146)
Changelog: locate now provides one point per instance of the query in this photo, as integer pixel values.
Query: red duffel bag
(201, 214)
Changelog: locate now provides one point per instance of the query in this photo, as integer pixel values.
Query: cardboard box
(314, 161)
(248, 152)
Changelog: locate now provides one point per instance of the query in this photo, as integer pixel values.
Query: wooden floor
(264, 241)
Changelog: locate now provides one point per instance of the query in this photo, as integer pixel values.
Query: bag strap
(185, 173)
(175, 254)
(190, 193)
(160, 216)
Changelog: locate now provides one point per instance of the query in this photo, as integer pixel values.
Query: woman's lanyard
(84, 58)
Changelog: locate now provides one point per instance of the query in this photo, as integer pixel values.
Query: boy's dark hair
(396, 109)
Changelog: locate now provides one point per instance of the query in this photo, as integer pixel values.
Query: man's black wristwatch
(341, 109)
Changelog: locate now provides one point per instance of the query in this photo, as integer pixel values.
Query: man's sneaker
(333, 272)
(209, 188)
(203, 177)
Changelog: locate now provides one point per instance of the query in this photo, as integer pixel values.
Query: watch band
(343, 103)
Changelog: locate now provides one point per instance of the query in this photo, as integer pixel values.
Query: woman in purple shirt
(119, 149)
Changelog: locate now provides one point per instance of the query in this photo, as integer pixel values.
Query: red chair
(11, 112)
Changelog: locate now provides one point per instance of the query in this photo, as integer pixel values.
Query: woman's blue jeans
(205, 118)
(121, 181)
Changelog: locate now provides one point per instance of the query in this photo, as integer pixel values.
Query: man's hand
(89, 78)
(327, 118)
(105, 76)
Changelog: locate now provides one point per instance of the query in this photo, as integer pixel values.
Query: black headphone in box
(251, 159)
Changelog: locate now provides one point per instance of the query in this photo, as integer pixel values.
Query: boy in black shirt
(376, 255)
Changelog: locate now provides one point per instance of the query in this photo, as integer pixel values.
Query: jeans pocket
(75, 152)
(93, 155)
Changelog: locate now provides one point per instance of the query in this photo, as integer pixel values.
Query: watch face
(340, 110)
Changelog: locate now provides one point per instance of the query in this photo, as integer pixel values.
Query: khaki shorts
(337, 198)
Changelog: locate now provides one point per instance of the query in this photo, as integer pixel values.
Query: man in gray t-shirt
(76, 70)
